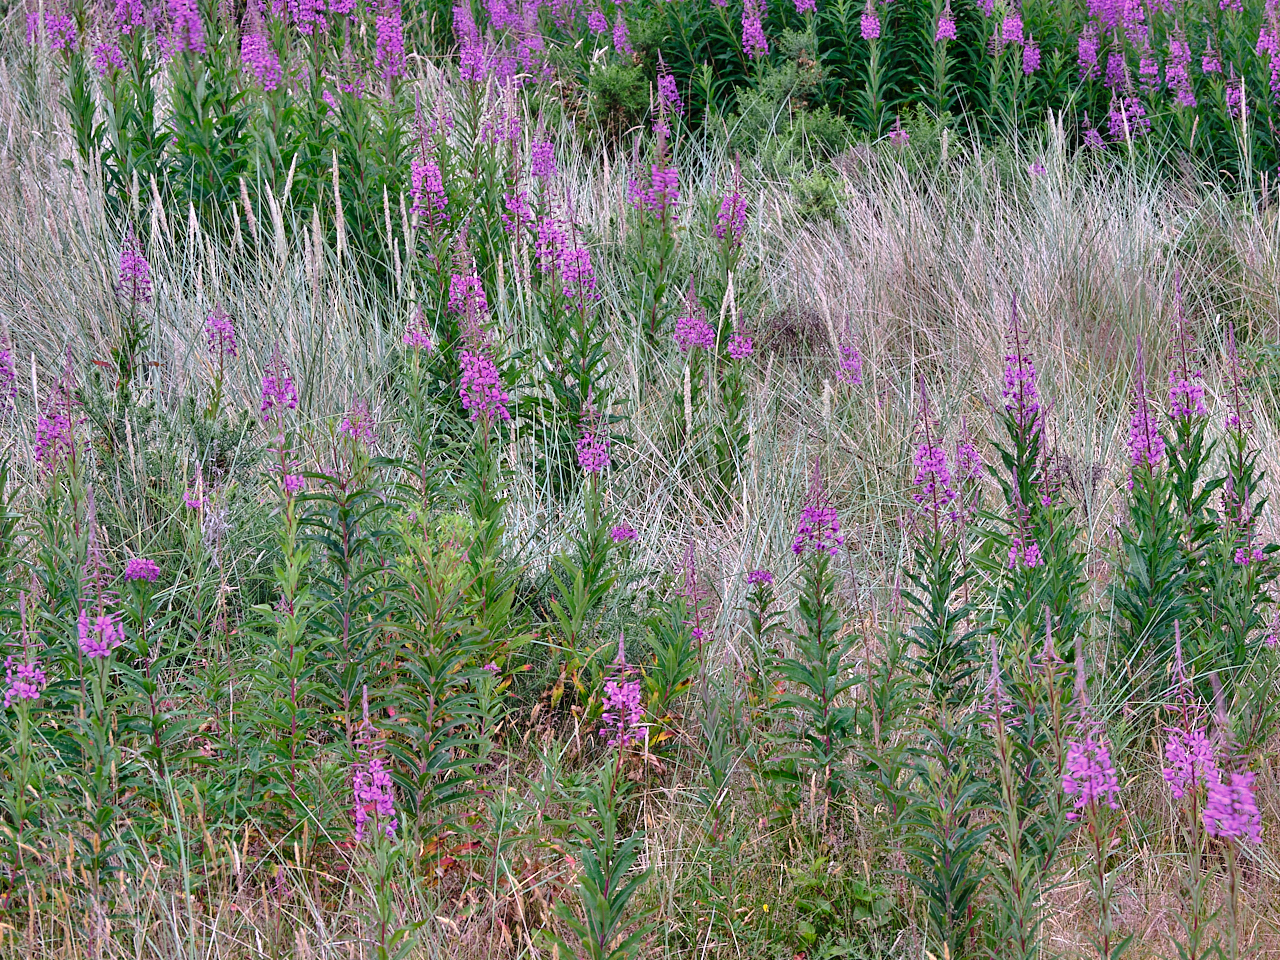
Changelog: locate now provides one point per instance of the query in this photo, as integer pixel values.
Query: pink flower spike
(140, 568)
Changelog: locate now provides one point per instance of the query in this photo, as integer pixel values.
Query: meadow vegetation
(639, 480)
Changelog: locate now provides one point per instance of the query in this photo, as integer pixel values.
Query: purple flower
(135, 272)
(140, 568)
(1025, 553)
(99, 635)
(933, 478)
(1186, 383)
(389, 50)
(221, 333)
(870, 24)
(759, 578)
(22, 680)
(623, 713)
(1209, 63)
(107, 58)
(491, 668)
(731, 220)
(946, 26)
(623, 533)
(1087, 52)
(1231, 811)
(1011, 28)
(257, 54)
(819, 527)
(466, 297)
(968, 459)
(277, 389)
(1093, 139)
(1089, 776)
(430, 201)
(1030, 56)
(1127, 119)
(308, 16)
(1146, 445)
(542, 159)
(897, 136)
(480, 387)
(417, 334)
(593, 446)
(1189, 754)
(597, 22)
(849, 364)
(693, 330)
(621, 37)
(55, 441)
(740, 346)
(187, 27)
(374, 796)
(293, 482)
(358, 423)
(754, 43)
(806, 6)
(8, 376)
(1020, 393)
(1178, 72)
(128, 14)
(561, 259)
(663, 192)
(668, 90)
(60, 28)
(1037, 169)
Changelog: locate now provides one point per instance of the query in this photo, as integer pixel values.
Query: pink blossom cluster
(358, 423)
(933, 478)
(256, 53)
(731, 219)
(389, 49)
(542, 159)
(8, 376)
(1191, 760)
(480, 387)
(417, 334)
(141, 568)
(754, 43)
(740, 346)
(278, 392)
(107, 58)
(426, 187)
(819, 529)
(221, 333)
(135, 272)
(99, 635)
(1090, 776)
(1020, 392)
(374, 795)
(1231, 811)
(466, 296)
(23, 680)
(186, 29)
(946, 26)
(849, 364)
(759, 578)
(692, 329)
(623, 533)
(593, 447)
(662, 193)
(1024, 552)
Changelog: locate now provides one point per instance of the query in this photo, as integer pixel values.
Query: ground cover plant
(648, 480)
